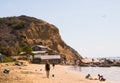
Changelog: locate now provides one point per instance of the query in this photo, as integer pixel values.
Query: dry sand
(35, 73)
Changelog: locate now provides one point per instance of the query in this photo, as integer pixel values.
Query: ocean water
(109, 73)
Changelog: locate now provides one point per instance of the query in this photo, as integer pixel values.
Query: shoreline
(35, 73)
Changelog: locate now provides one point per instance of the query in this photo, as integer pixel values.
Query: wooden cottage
(41, 55)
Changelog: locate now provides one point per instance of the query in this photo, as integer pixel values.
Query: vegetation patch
(19, 25)
(8, 59)
(1, 20)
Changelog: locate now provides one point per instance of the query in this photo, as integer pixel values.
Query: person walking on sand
(53, 64)
(47, 68)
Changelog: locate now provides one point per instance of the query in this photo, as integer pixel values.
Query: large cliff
(16, 32)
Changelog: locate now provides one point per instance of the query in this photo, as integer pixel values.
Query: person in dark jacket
(53, 64)
(47, 68)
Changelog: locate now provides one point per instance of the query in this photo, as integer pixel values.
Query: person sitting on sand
(100, 77)
(88, 76)
(47, 68)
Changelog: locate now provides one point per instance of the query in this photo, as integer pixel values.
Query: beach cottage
(41, 55)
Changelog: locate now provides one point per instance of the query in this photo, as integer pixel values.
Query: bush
(8, 59)
(19, 25)
(1, 20)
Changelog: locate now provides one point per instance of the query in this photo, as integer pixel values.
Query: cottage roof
(41, 46)
(37, 52)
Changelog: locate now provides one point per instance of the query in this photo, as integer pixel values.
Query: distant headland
(20, 31)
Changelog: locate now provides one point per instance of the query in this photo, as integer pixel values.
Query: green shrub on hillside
(1, 20)
(8, 59)
(19, 25)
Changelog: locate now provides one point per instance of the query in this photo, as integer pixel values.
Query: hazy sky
(92, 27)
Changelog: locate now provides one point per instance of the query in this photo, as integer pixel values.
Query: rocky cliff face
(16, 32)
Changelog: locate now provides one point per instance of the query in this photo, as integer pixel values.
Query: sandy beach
(35, 73)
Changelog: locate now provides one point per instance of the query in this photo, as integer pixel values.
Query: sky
(91, 27)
